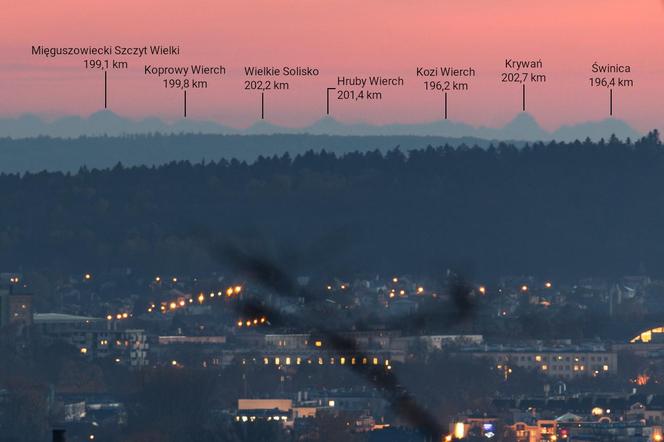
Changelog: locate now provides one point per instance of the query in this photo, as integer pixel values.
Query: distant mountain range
(522, 128)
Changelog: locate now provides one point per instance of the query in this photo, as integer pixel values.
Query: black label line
(185, 103)
(262, 105)
(523, 98)
(446, 105)
(611, 102)
(328, 99)
(105, 90)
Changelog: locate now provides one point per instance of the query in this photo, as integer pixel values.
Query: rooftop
(62, 318)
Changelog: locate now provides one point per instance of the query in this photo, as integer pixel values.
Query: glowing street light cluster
(251, 322)
(506, 371)
(159, 280)
(118, 316)
(179, 303)
(393, 293)
(182, 302)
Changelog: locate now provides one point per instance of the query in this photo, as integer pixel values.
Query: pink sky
(342, 37)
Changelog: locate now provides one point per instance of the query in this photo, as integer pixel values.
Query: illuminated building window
(646, 336)
(318, 344)
(342, 360)
(276, 361)
(605, 367)
(320, 361)
(288, 360)
(266, 361)
(352, 361)
(375, 361)
(459, 430)
(538, 358)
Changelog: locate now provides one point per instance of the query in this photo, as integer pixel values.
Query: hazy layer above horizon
(105, 139)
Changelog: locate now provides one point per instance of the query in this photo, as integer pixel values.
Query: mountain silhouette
(523, 127)
(262, 127)
(596, 130)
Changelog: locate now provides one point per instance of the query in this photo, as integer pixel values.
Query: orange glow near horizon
(342, 37)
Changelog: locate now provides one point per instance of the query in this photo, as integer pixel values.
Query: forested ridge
(578, 208)
(69, 154)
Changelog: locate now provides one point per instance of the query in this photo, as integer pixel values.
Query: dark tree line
(570, 208)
